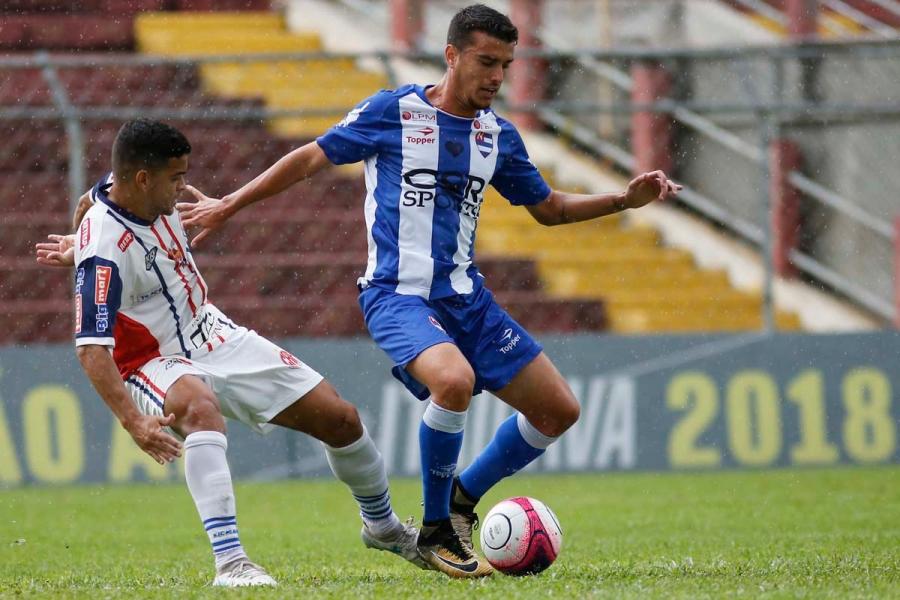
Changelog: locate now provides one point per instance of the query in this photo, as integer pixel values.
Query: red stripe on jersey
(184, 280)
(135, 345)
(149, 382)
(190, 261)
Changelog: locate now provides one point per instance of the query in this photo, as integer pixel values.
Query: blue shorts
(404, 326)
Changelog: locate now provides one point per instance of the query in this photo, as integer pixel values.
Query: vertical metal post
(897, 272)
(767, 127)
(74, 133)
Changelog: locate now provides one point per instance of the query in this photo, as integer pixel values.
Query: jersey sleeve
(357, 137)
(98, 288)
(517, 179)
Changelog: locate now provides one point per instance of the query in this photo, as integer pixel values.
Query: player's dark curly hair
(479, 17)
(146, 144)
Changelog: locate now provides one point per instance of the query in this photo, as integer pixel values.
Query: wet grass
(830, 533)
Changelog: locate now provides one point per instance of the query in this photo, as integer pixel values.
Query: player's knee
(344, 427)
(202, 413)
(565, 413)
(452, 388)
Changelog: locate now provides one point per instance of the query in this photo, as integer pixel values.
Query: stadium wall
(648, 403)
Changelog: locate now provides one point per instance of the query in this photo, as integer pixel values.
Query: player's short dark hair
(479, 17)
(146, 144)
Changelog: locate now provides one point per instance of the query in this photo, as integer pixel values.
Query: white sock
(361, 467)
(209, 481)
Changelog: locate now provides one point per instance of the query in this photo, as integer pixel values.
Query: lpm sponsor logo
(417, 115)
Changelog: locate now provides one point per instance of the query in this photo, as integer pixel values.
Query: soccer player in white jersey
(429, 154)
(166, 361)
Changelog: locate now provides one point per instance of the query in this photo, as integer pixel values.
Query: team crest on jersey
(125, 241)
(435, 322)
(150, 258)
(290, 360)
(485, 143)
(85, 236)
(176, 256)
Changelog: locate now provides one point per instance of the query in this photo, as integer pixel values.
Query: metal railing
(767, 114)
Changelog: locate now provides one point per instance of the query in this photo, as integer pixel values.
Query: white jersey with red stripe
(138, 289)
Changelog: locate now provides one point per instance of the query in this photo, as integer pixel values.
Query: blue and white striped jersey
(426, 174)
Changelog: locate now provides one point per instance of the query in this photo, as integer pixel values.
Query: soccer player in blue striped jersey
(430, 152)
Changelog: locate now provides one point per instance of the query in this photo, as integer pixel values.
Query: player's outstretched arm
(211, 213)
(84, 203)
(147, 431)
(562, 207)
(58, 252)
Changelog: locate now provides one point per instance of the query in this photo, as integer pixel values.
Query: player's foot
(442, 549)
(464, 523)
(401, 542)
(242, 573)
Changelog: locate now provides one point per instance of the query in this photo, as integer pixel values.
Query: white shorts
(252, 378)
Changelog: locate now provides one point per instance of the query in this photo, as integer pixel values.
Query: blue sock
(515, 445)
(440, 441)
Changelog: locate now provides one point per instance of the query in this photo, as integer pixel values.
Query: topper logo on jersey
(463, 192)
(415, 115)
(423, 138)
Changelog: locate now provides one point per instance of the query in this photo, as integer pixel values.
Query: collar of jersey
(420, 92)
(125, 214)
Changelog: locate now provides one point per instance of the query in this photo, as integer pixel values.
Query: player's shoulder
(99, 233)
(383, 100)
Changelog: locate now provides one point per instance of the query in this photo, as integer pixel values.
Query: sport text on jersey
(461, 191)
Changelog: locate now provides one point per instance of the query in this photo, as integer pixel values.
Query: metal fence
(839, 102)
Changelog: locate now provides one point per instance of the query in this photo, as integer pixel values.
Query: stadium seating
(289, 267)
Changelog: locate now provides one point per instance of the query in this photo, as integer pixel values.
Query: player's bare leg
(546, 409)
(199, 420)
(355, 460)
(449, 377)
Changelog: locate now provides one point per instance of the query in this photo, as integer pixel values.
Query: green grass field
(773, 534)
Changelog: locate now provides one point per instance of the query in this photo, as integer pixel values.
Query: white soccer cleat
(243, 573)
(403, 543)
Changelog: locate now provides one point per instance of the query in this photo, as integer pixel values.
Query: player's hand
(208, 213)
(58, 252)
(147, 432)
(646, 188)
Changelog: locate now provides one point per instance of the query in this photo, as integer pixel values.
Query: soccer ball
(521, 536)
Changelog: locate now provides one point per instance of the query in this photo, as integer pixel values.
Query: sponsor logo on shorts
(290, 360)
(101, 285)
(85, 236)
(171, 362)
(435, 322)
(125, 241)
(150, 258)
(508, 341)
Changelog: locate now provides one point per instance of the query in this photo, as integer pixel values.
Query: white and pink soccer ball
(521, 536)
